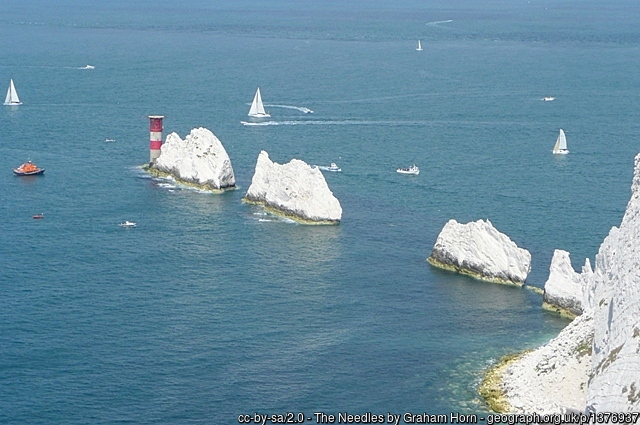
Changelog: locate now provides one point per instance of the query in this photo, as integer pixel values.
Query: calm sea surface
(209, 308)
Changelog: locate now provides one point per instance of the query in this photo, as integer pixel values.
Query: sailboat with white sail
(419, 48)
(12, 98)
(257, 108)
(560, 147)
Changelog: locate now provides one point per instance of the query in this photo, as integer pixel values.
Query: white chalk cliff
(199, 159)
(608, 329)
(294, 189)
(478, 249)
(564, 288)
(615, 299)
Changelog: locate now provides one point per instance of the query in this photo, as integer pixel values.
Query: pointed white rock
(479, 250)
(564, 288)
(295, 189)
(199, 159)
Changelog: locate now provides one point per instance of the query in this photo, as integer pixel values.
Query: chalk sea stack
(479, 250)
(295, 190)
(199, 160)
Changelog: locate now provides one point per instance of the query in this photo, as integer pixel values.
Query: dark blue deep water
(209, 309)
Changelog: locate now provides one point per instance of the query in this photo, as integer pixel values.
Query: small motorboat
(333, 167)
(548, 98)
(88, 67)
(411, 170)
(37, 216)
(127, 223)
(109, 140)
(28, 169)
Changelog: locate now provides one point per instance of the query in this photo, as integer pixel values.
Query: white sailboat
(12, 98)
(419, 48)
(257, 108)
(560, 147)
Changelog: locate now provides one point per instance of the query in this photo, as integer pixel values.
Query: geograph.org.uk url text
(426, 418)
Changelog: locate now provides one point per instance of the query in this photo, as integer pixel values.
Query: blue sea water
(209, 308)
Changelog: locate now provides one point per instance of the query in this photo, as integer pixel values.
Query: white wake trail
(439, 22)
(297, 108)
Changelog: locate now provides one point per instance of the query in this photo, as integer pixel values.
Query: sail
(257, 108)
(12, 95)
(562, 140)
(561, 143)
(419, 46)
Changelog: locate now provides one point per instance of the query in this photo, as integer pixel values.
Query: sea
(211, 309)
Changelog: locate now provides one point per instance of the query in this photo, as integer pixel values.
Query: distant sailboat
(12, 98)
(560, 147)
(419, 48)
(257, 108)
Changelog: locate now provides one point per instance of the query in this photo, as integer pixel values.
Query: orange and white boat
(28, 169)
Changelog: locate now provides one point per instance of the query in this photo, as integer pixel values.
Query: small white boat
(128, 223)
(89, 67)
(109, 140)
(332, 167)
(411, 170)
(419, 48)
(560, 148)
(12, 98)
(548, 98)
(257, 108)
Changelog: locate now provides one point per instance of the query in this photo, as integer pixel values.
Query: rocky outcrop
(564, 288)
(479, 250)
(199, 159)
(553, 378)
(295, 190)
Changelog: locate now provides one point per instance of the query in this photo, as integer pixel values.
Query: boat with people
(128, 223)
(414, 170)
(12, 98)
(560, 148)
(333, 167)
(257, 107)
(38, 216)
(548, 98)
(28, 169)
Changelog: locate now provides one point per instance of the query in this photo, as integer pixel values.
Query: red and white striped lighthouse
(155, 138)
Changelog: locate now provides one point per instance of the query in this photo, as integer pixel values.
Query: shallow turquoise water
(204, 311)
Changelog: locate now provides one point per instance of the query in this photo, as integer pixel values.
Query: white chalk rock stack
(479, 250)
(199, 159)
(295, 189)
(564, 288)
